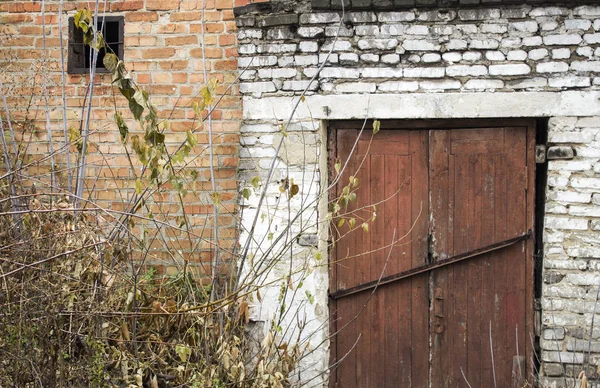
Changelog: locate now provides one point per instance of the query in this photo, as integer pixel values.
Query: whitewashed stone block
(484, 84)
(390, 58)
(537, 54)
(466, 70)
(516, 55)
(484, 44)
(552, 67)
(320, 18)
(569, 82)
(569, 137)
(510, 69)
(562, 40)
(439, 84)
(471, 56)
(356, 87)
(562, 53)
(565, 223)
(377, 44)
(424, 72)
(396, 16)
(495, 56)
(381, 72)
(339, 72)
(310, 32)
(308, 47)
(431, 57)
(348, 58)
(399, 86)
(586, 183)
(419, 45)
(373, 58)
(457, 44)
(452, 57)
(578, 24)
(526, 26)
(306, 60)
(592, 38)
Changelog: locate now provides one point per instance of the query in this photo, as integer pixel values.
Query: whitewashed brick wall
(520, 61)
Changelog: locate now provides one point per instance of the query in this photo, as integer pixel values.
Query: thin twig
(64, 96)
(465, 377)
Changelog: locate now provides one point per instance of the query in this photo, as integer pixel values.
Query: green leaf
(341, 222)
(99, 44)
(77, 17)
(336, 208)
(199, 108)
(154, 137)
(255, 182)
(123, 130)
(376, 126)
(310, 297)
(318, 256)
(136, 109)
(246, 193)
(352, 222)
(183, 352)
(206, 93)
(365, 227)
(138, 186)
(191, 139)
(337, 167)
(141, 97)
(110, 62)
(140, 149)
(215, 198)
(178, 157)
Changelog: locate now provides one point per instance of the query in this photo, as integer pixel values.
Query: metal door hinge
(537, 317)
(540, 153)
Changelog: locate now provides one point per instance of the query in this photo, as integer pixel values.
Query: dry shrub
(75, 313)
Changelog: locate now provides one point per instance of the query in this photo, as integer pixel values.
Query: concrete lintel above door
(425, 106)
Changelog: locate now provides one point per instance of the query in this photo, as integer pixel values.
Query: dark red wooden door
(440, 190)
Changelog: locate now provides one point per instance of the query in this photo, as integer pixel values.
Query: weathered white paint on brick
(517, 61)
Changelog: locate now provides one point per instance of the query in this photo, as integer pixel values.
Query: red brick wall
(164, 52)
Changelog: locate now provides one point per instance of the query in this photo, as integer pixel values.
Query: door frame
(533, 208)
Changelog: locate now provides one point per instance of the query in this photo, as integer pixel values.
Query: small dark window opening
(80, 54)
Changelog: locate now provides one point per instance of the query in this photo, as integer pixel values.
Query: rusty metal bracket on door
(429, 267)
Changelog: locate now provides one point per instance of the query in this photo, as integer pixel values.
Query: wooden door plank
(405, 204)
(420, 283)
(475, 272)
(439, 142)
(377, 259)
(516, 281)
(457, 325)
(388, 220)
(361, 247)
(487, 280)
